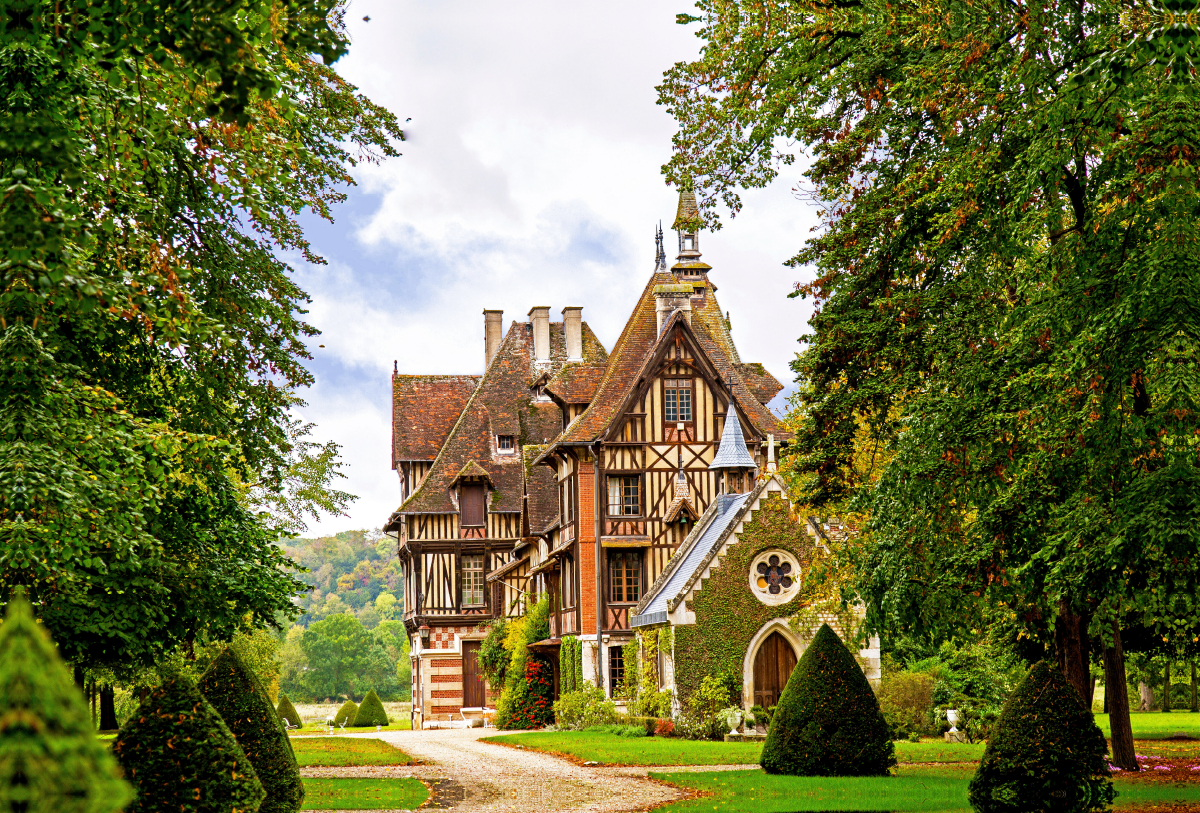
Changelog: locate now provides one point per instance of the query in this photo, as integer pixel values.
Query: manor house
(571, 470)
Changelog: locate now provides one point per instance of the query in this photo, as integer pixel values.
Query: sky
(530, 176)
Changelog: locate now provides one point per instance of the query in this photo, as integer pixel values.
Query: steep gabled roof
(502, 404)
(424, 409)
(542, 485)
(637, 344)
(761, 383)
(576, 383)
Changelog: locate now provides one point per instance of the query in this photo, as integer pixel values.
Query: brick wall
(587, 548)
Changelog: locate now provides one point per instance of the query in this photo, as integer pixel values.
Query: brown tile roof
(637, 343)
(761, 384)
(424, 409)
(576, 383)
(542, 485)
(502, 404)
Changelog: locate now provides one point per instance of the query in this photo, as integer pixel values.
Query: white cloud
(530, 177)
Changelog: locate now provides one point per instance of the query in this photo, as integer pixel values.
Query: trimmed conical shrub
(345, 715)
(828, 721)
(242, 702)
(50, 759)
(180, 756)
(287, 712)
(1046, 752)
(370, 712)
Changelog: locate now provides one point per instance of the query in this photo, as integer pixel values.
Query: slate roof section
(732, 452)
(502, 404)
(761, 383)
(707, 537)
(637, 343)
(424, 409)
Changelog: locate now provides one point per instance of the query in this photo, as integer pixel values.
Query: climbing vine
(728, 614)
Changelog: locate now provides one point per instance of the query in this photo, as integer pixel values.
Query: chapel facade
(574, 471)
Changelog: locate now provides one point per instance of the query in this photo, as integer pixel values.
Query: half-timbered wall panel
(439, 578)
(504, 526)
(432, 527)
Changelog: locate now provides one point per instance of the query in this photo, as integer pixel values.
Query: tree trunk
(108, 709)
(1070, 635)
(1194, 707)
(1166, 699)
(1116, 697)
(79, 676)
(1145, 697)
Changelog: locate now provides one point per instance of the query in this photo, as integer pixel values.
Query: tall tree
(155, 158)
(1004, 293)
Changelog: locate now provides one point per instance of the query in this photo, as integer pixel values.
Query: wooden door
(474, 691)
(773, 666)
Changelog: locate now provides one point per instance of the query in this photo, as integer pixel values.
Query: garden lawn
(346, 752)
(943, 790)
(609, 749)
(1151, 725)
(321, 730)
(364, 794)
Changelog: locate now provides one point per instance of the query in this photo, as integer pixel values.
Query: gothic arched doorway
(773, 666)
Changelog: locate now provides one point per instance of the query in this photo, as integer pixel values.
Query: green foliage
(236, 694)
(370, 712)
(350, 572)
(337, 650)
(179, 755)
(493, 656)
(570, 665)
(828, 721)
(1047, 753)
(906, 700)
(705, 719)
(727, 613)
(345, 715)
(50, 759)
(584, 708)
(526, 700)
(287, 712)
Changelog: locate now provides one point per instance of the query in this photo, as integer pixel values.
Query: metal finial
(660, 256)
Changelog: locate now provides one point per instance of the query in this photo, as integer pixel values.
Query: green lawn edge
(364, 794)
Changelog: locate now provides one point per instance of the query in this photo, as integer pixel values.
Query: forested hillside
(350, 638)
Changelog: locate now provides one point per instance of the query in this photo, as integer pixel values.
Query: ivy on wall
(727, 612)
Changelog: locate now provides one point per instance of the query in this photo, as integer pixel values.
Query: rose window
(774, 577)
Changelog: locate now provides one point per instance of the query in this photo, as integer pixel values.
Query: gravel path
(468, 776)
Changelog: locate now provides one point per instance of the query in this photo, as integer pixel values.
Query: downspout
(598, 511)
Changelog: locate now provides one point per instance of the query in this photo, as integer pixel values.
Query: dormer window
(506, 444)
(471, 503)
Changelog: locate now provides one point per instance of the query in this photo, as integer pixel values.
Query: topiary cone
(1046, 752)
(370, 712)
(242, 702)
(827, 722)
(50, 759)
(287, 712)
(180, 756)
(345, 715)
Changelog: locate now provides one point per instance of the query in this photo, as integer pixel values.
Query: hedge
(50, 759)
(180, 756)
(238, 696)
(370, 712)
(828, 721)
(345, 715)
(1046, 752)
(287, 712)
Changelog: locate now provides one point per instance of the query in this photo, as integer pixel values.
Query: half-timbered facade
(605, 471)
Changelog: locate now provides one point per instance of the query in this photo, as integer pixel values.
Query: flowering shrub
(583, 708)
(532, 704)
(664, 728)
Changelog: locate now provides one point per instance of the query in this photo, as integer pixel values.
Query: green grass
(321, 730)
(1149, 725)
(364, 794)
(347, 751)
(930, 790)
(609, 749)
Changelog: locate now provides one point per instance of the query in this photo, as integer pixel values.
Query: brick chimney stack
(493, 334)
(539, 317)
(573, 330)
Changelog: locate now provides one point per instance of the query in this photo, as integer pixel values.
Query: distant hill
(348, 572)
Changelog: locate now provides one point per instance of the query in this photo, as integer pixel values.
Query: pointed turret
(733, 461)
(687, 226)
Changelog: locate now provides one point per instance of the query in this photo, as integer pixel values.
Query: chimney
(668, 300)
(493, 334)
(573, 329)
(539, 317)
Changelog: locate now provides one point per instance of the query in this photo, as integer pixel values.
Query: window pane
(685, 404)
(672, 408)
(614, 496)
(616, 670)
(472, 579)
(632, 505)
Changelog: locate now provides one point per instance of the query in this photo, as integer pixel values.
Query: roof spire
(687, 225)
(732, 453)
(660, 255)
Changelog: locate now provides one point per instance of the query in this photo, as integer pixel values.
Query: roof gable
(424, 410)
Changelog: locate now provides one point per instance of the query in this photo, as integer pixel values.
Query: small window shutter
(472, 505)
